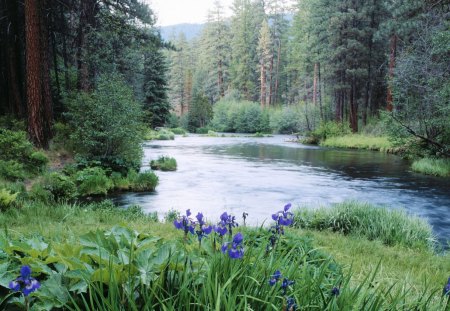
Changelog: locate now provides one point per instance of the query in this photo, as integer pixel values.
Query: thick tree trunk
(392, 56)
(33, 79)
(47, 108)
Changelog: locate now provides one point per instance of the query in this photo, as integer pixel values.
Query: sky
(171, 12)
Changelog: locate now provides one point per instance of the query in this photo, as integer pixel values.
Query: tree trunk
(33, 74)
(277, 73)
(392, 56)
(220, 78)
(314, 99)
(270, 101)
(45, 72)
(319, 87)
(353, 107)
(263, 84)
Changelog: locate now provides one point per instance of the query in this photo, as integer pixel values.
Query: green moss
(436, 167)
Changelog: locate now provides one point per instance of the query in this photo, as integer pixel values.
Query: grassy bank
(359, 141)
(170, 270)
(436, 167)
(390, 227)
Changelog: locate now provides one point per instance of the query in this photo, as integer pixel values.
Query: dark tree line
(49, 49)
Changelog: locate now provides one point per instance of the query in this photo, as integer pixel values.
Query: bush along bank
(207, 265)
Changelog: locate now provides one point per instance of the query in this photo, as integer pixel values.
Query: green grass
(162, 134)
(358, 141)
(391, 227)
(414, 269)
(178, 130)
(164, 163)
(436, 167)
(184, 276)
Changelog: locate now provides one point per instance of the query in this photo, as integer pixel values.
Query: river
(260, 175)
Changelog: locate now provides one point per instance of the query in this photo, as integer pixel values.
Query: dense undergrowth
(98, 257)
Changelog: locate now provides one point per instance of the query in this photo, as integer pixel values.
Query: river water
(260, 175)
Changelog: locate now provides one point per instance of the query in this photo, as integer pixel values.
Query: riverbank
(359, 141)
(359, 268)
(427, 166)
(435, 167)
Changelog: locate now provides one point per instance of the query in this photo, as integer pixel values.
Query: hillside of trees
(344, 61)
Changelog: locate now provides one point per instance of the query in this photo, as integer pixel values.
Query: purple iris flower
(290, 304)
(447, 288)
(238, 238)
(283, 218)
(24, 283)
(285, 284)
(235, 248)
(275, 277)
(185, 223)
(221, 229)
(335, 291)
(228, 221)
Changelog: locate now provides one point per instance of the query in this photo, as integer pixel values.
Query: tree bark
(220, 80)
(353, 107)
(33, 74)
(392, 57)
(314, 99)
(263, 84)
(47, 108)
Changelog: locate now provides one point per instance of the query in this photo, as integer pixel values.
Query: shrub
(60, 186)
(202, 130)
(14, 145)
(106, 124)
(40, 194)
(164, 164)
(330, 129)
(10, 122)
(37, 162)
(12, 170)
(165, 135)
(171, 215)
(178, 131)
(7, 198)
(146, 181)
(119, 181)
(239, 116)
(61, 138)
(173, 121)
(93, 181)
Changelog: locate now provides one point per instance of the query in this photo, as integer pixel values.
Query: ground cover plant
(206, 265)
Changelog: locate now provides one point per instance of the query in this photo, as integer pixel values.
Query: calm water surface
(260, 175)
